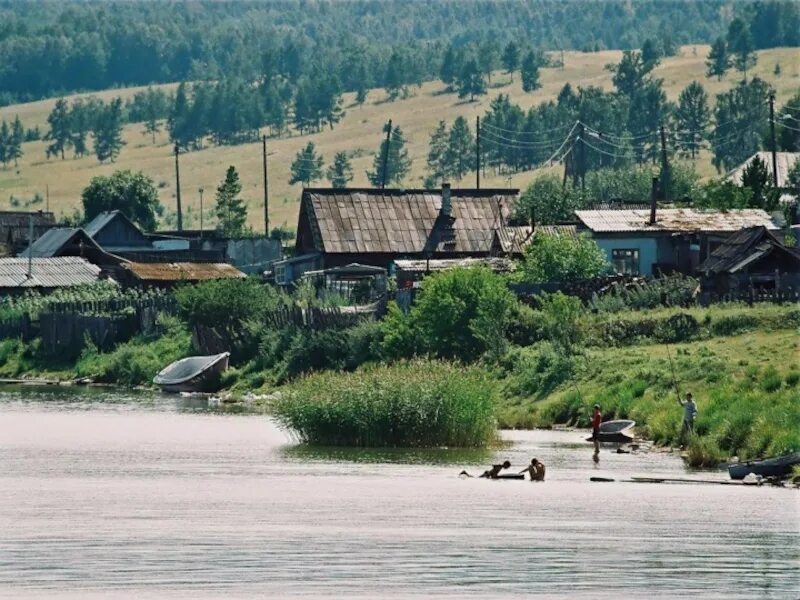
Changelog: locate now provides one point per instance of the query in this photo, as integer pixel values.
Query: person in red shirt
(597, 419)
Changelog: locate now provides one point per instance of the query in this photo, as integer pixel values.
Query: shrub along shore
(469, 356)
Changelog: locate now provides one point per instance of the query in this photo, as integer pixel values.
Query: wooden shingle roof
(353, 221)
(744, 248)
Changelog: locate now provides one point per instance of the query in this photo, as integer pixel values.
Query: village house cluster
(354, 241)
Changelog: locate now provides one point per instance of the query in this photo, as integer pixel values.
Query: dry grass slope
(358, 134)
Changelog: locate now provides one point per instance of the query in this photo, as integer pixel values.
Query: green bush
(409, 404)
(681, 327)
(792, 379)
(733, 324)
(526, 326)
(459, 313)
(537, 371)
(561, 258)
(225, 303)
(771, 380)
(137, 361)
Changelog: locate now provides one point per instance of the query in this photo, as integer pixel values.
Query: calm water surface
(150, 497)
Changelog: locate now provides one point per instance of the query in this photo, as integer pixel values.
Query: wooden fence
(64, 326)
(751, 297)
(17, 327)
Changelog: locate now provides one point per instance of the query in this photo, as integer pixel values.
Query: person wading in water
(597, 419)
(535, 470)
(491, 473)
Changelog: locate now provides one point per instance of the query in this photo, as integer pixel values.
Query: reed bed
(414, 404)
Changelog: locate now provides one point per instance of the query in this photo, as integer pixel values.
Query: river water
(153, 497)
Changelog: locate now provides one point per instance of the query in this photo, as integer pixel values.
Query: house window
(626, 261)
(280, 275)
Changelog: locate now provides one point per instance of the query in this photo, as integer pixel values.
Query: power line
(588, 145)
(521, 143)
(484, 124)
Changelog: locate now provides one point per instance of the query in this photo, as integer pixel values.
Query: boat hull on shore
(615, 432)
(778, 466)
(193, 374)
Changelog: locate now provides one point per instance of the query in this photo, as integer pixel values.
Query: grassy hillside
(359, 134)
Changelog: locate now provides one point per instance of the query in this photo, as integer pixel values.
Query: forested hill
(49, 48)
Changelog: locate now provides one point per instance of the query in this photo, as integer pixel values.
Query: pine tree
(178, 121)
(470, 81)
(59, 133)
(231, 209)
(398, 164)
(450, 66)
(361, 94)
(740, 43)
(340, 173)
(5, 143)
(306, 166)
(460, 154)
(395, 76)
(108, 131)
(718, 61)
(530, 72)
(511, 58)
(437, 156)
(692, 117)
(651, 53)
(756, 176)
(488, 58)
(81, 116)
(741, 117)
(303, 110)
(152, 113)
(15, 141)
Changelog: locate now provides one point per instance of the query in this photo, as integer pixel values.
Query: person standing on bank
(597, 418)
(689, 413)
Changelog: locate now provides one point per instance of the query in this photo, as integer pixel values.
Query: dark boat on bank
(193, 374)
(615, 432)
(779, 466)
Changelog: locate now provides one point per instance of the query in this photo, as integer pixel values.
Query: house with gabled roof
(370, 226)
(663, 240)
(751, 258)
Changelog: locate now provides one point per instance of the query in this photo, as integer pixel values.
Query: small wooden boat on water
(193, 374)
(615, 432)
(779, 466)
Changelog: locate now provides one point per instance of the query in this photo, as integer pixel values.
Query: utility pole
(201, 212)
(178, 188)
(266, 185)
(47, 194)
(30, 246)
(386, 154)
(581, 157)
(477, 153)
(665, 178)
(774, 144)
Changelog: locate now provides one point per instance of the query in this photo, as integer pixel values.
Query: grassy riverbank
(469, 352)
(747, 388)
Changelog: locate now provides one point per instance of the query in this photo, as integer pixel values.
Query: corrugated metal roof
(678, 220)
(62, 271)
(183, 271)
(783, 160)
(500, 265)
(563, 230)
(402, 221)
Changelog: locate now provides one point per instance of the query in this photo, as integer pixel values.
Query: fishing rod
(672, 368)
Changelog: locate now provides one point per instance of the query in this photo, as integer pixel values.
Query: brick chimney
(653, 197)
(447, 203)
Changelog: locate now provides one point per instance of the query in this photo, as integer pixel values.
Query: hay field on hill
(359, 134)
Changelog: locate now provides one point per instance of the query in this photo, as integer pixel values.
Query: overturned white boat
(193, 374)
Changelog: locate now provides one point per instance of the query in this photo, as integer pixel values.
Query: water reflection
(144, 495)
(428, 456)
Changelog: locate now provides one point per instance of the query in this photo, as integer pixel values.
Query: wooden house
(338, 227)
(664, 240)
(15, 228)
(753, 258)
